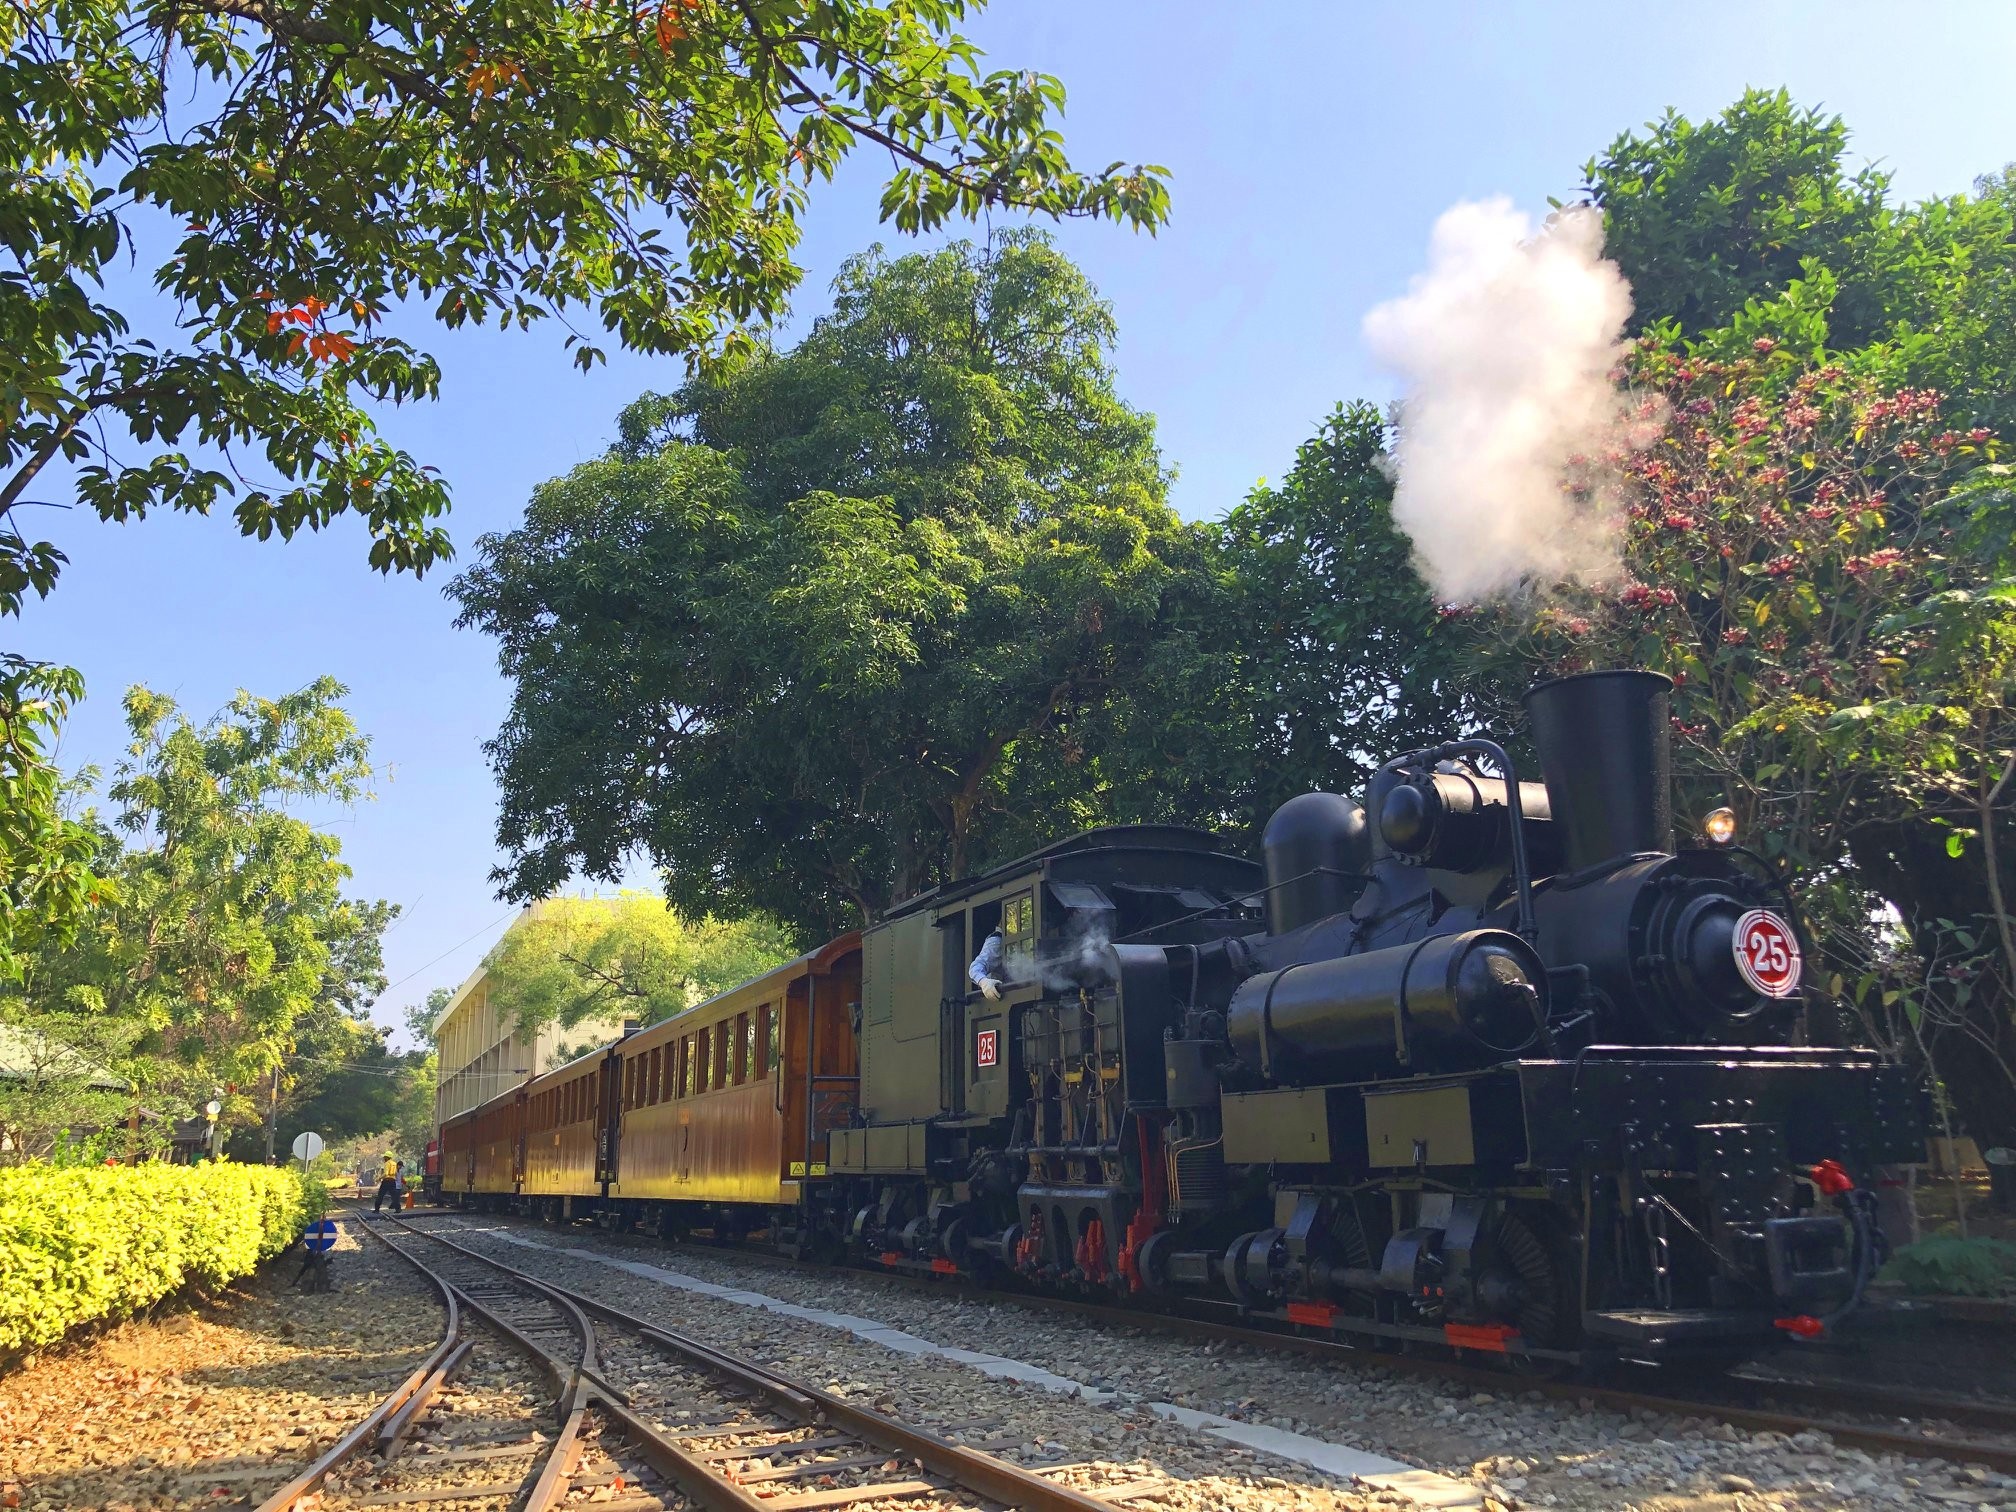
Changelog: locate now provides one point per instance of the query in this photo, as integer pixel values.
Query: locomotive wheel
(1549, 1313)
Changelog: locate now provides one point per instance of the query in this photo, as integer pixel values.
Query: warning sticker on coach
(987, 1047)
(1767, 953)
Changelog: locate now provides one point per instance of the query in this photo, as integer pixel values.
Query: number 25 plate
(1767, 953)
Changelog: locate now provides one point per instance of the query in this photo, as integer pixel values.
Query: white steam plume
(1506, 346)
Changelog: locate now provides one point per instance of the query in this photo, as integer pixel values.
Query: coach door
(609, 1116)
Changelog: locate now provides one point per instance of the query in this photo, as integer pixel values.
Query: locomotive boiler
(1483, 1060)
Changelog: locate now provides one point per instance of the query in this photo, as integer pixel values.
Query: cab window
(1018, 919)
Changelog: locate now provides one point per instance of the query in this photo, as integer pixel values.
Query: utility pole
(272, 1112)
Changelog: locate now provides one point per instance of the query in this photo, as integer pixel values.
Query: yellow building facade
(480, 1052)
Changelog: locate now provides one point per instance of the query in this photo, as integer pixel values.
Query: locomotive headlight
(1720, 826)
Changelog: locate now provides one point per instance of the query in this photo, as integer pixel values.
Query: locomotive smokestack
(1605, 749)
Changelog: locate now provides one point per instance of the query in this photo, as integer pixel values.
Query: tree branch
(290, 27)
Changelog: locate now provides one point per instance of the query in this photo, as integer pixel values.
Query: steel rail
(971, 1468)
(1678, 1403)
(575, 1383)
(404, 1403)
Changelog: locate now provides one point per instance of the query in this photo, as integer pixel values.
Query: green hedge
(80, 1244)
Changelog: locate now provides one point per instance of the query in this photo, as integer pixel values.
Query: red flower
(1979, 433)
(1735, 635)
(1782, 566)
(1678, 521)
(1764, 344)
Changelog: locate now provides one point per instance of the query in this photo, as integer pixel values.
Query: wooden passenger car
(730, 1102)
(458, 1154)
(563, 1118)
(497, 1144)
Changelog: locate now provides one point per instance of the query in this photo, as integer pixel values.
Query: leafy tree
(575, 960)
(57, 1077)
(509, 162)
(46, 881)
(1704, 219)
(342, 1081)
(339, 173)
(229, 927)
(1317, 654)
(1826, 568)
(825, 629)
(420, 1017)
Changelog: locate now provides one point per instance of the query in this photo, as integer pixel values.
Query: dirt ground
(212, 1402)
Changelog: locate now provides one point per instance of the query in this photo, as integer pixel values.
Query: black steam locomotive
(1483, 1063)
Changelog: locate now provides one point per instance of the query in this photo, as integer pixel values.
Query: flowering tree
(1824, 566)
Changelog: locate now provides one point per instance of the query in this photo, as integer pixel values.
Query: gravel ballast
(1516, 1449)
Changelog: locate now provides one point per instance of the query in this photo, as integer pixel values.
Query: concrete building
(480, 1053)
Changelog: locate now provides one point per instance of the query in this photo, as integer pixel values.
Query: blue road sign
(320, 1235)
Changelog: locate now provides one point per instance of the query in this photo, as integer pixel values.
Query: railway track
(666, 1419)
(1877, 1419)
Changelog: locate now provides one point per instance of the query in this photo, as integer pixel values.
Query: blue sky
(1311, 147)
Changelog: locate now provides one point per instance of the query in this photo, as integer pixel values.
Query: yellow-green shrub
(84, 1243)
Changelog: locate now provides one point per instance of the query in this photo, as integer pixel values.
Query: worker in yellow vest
(388, 1184)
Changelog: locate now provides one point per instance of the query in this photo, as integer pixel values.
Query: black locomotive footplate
(1417, 1333)
(1652, 1328)
(1844, 1105)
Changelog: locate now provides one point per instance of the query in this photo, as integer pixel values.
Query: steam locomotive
(1481, 1063)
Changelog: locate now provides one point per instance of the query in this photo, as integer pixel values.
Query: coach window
(653, 1068)
(745, 1047)
(705, 1050)
(759, 1043)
